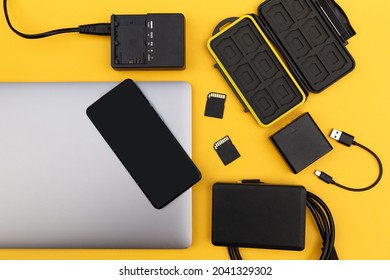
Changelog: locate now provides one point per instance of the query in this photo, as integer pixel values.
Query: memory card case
(272, 60)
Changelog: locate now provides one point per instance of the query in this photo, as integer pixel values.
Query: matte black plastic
(301, 143)
(338, 18)
(215, 105)
(148, 41)
(143, 143)
(223, 23)
(256, 71)
(226, 150)
(311, 45)
(246, 110)
(259, 216)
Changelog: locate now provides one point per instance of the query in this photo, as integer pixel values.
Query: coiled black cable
(325, 223)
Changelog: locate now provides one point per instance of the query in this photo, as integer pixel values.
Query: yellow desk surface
(359, 104)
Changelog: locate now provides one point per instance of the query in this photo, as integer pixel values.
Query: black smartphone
(143, 143)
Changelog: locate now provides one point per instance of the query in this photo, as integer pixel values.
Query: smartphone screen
(143, 143)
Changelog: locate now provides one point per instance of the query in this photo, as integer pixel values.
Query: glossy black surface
(143, 143)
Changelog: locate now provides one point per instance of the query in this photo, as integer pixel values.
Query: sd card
(226, 150)
(215, 105)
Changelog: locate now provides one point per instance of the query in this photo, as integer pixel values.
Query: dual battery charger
(148, 41)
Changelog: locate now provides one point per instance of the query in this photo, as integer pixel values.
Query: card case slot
(315, 32)
(314, 70)
(298, 9)
(281, 19)
(283, 91)
(264, 103)
(265, 65)
(334, 60)
(297, 44)
(229, 51)
(246, 77)
(247, 39)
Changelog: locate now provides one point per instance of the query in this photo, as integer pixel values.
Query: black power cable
(94, 29)
(325, 224)
(234, 253)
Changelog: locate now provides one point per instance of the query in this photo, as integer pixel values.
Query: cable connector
(342, 137)
(324, 177)
(96, 29)
(348, 140)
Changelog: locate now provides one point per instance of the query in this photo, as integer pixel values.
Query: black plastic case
(148, 41)
(301, 143)
(273, 59)
(262, 79)
(259, 216)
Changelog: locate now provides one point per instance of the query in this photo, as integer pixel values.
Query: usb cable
(348, 140)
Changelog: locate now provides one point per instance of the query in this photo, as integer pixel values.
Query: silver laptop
(61, 185)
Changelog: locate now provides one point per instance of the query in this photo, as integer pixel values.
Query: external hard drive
(259, 216)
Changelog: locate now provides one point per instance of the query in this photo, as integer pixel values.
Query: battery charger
(148, 41)
(137, 41)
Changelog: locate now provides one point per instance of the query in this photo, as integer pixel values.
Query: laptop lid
(61, 184)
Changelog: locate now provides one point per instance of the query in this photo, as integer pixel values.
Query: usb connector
(348, 140)
(342, 137)
(335, 134)
(323, 176)
(96, 29)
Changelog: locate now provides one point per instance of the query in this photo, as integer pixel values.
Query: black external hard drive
(143, 143)
(259, 216)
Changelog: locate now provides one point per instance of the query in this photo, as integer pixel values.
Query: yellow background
(358, 104)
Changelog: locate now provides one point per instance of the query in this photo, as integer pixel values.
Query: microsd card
(215, 105)
(226, 150)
